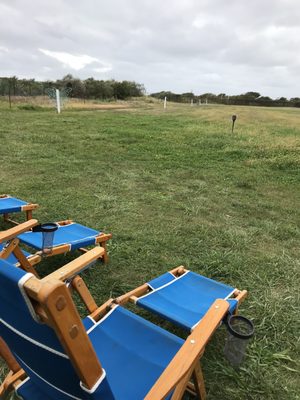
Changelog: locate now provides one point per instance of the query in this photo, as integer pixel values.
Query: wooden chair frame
(53, 303)
(27, 208)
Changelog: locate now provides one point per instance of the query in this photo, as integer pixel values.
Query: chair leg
(199, 382)
(79, 285)
(9, 383)
(181, 387)
(24, 263)
(4, 392)
(15, 374)
(8, 357)
(198, 388)
(105, 255)
(29, 215)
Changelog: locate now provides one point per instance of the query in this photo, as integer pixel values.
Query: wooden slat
(79, 285)
(8, 384)
(29, 207)
(178, 270)
(103, 309)
(65, 222)
(35, 259)
(241, 296)
(17, 230)
(189, 353)
(76, 266)
(103, 237)
(54, 251)
(6, 251)
(139, 291)
(24, 263)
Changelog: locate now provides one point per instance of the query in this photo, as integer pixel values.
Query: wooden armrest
(76, 266)
(17, 230)
(188, 355)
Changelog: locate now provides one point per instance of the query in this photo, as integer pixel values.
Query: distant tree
(265, 101)
(77, 86)
(253, 95)
(108, 89)
(295, 101)
(123, 90)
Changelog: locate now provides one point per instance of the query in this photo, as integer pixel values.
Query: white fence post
(58, 101)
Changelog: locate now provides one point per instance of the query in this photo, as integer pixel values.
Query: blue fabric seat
(75, 235)
(11, 205)
(132, 351)
(28, 390)
(12, 259)
(184, 300)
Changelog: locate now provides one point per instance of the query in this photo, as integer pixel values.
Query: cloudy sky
(219, 46)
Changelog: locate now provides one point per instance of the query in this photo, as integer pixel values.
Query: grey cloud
(204, 45)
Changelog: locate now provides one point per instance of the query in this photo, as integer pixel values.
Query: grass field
(177, 187)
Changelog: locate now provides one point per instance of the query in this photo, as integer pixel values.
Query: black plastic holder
(240, 331)
(48, 230)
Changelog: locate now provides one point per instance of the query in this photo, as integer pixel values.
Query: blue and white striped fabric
(76, 235)
(186, 299)
(11, 205)
(35, 345)
(132, 351)
(28, 390)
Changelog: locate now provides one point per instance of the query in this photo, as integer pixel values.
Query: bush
(30, 107)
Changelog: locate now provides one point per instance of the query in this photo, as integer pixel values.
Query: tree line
(85, 89)
(91, 88)
(247, 99)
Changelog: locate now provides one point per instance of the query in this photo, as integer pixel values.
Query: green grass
(177, 187)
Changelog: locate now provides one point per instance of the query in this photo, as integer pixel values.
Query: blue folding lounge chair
(11, 251)
(9, 205)
(68, 237)
(110, 355)
(183, 297)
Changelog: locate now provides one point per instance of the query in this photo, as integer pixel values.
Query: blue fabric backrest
(35, 345)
